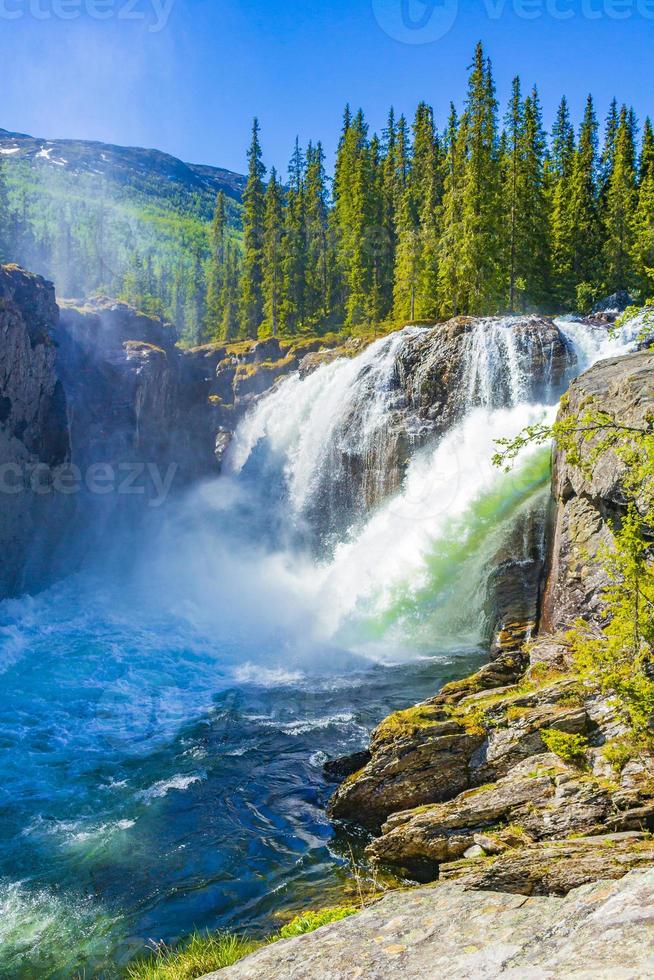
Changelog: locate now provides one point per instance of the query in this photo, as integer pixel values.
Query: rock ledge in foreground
(603, 931)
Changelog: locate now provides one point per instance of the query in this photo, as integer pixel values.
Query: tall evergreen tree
(390, 196)
(576, 221)
(272, 253)
(295, 252)
(646, 159)
(320, 257)
(607, 157)
(251, 300)
(354, 211)
(477, 242)
(562, 142)
(562, 158)
(426, 185)
(643, 224)
(536, 260)
(231, 294)
(514, 190)
(619, 209)
(407, 261)
(450, 277)
(643, 238)
(584, 199)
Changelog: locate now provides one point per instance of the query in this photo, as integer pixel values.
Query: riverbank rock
(418, 755)
(603, 930)
(557, 867)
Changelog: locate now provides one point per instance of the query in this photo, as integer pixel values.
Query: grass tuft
(206, 953)
(201, 954)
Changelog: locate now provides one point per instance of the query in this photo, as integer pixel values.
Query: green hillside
(126, 221)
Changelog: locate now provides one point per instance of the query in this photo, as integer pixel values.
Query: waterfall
(339, 569)
(411, 570)
(496, 366)
(331, 431)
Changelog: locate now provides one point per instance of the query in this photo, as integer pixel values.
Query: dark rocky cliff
(34, 438)
(99, 406)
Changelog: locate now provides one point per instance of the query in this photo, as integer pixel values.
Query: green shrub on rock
(570, 748)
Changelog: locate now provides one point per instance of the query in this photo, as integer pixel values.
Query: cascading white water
(494, 363)
(432, 540)
(313, 423)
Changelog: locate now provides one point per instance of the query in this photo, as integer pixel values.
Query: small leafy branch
(646, 313)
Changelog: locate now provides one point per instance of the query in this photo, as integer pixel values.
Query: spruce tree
(295, 253)
(514, 190)
(320, 257)
(272, 253)
(643, 224)
(231, 294)
(407, 261)
(607, 157)
(389, 211)
(450, 273)
(251, 299)
(355, 186)
(619, 209)
(562, 142)
(643, 238)
(535, 265)
(561, 230)
(426, 189)
(646, 159)
(584, 222)
(478, 245)
(376, 245)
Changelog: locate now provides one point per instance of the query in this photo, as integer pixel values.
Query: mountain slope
(122, 164)
(127, 221)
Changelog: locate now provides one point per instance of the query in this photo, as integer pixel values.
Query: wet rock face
(34, 441)
(614, 304)
(33, 405)
(515, 580)
(470, 361)
(430, 379)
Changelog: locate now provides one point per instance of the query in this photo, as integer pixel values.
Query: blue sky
(187, 76)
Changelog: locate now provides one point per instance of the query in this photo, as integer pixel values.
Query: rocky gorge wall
(101, 416)
(34, 438)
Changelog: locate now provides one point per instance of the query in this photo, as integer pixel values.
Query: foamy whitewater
(165, 715)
